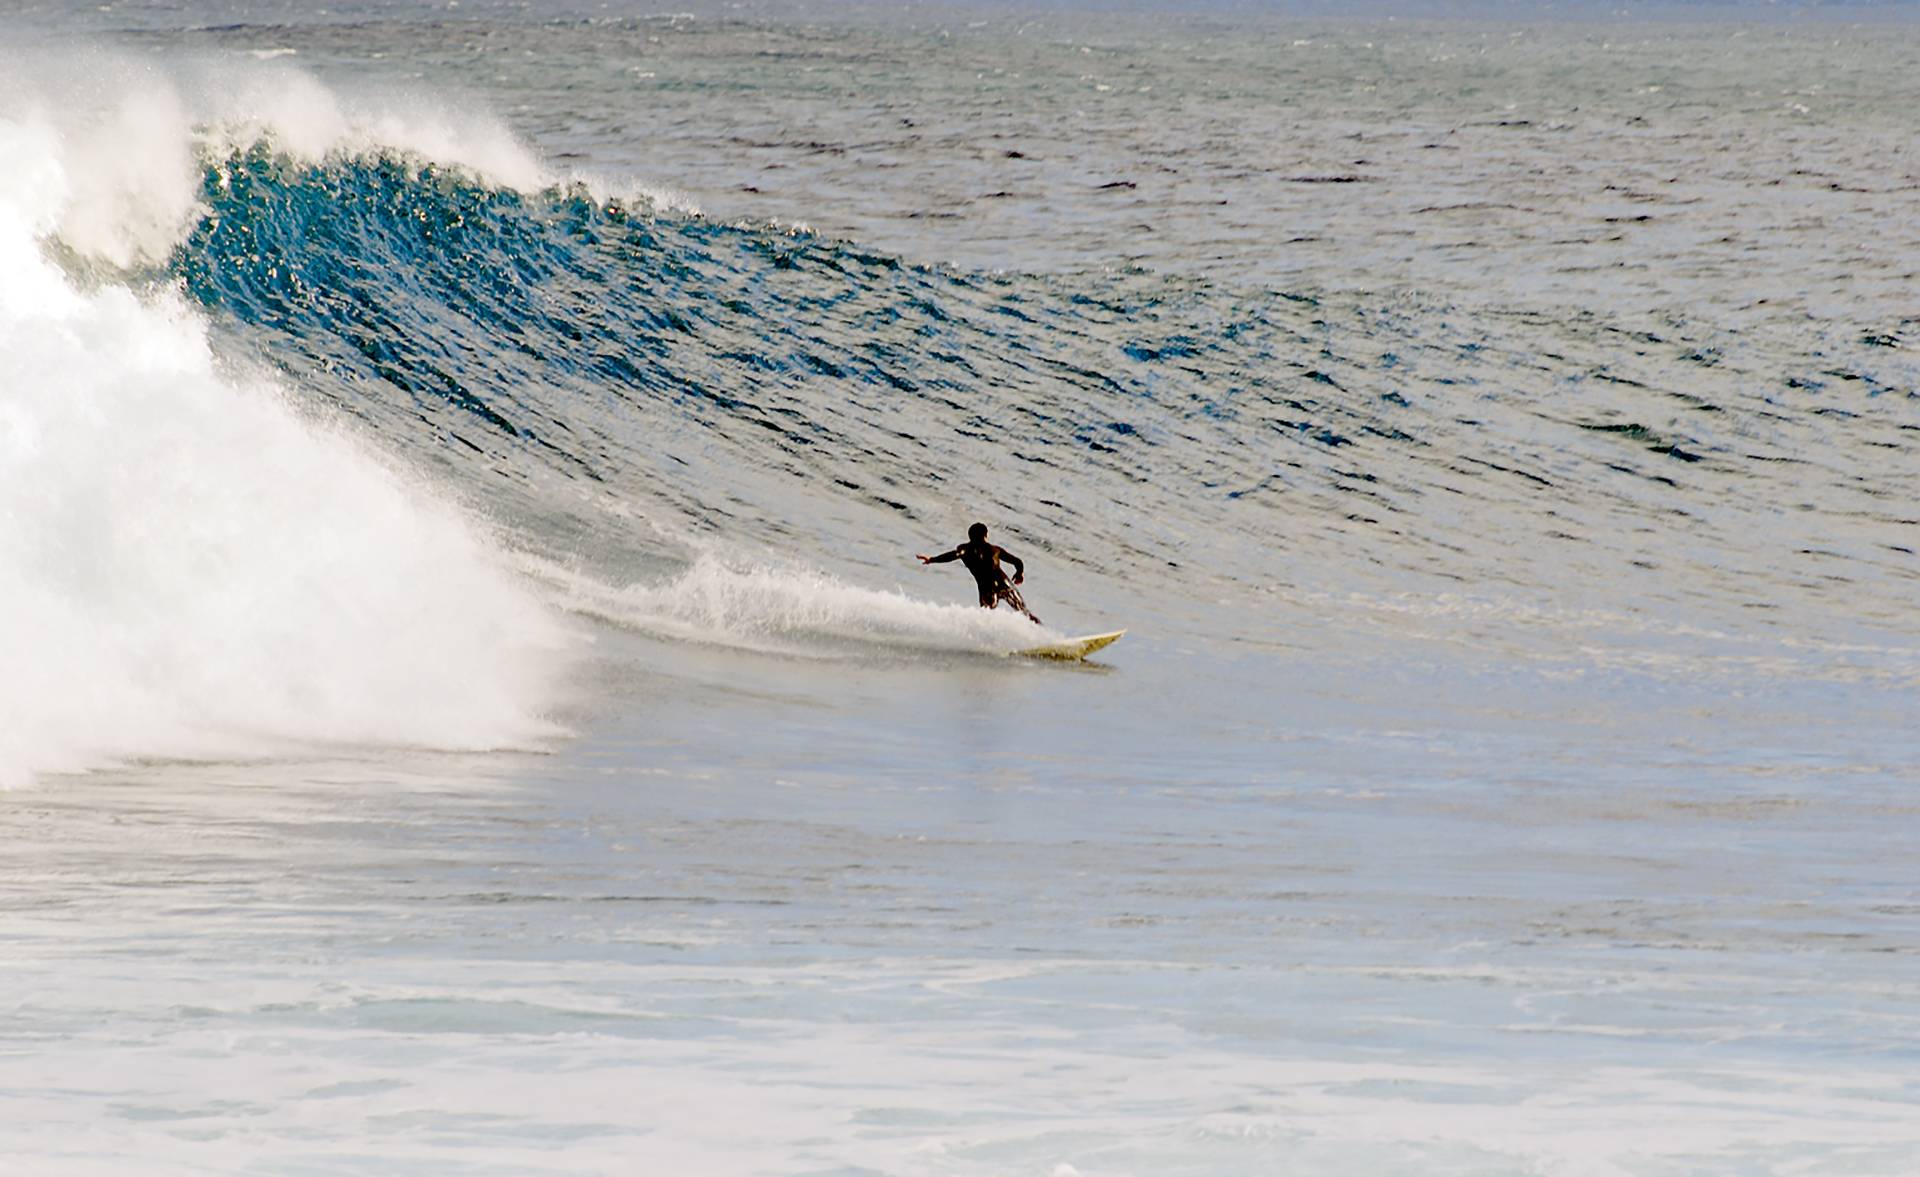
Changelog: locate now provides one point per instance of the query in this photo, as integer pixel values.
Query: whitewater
(471, 706)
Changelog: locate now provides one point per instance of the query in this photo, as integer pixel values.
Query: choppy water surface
(473, 709)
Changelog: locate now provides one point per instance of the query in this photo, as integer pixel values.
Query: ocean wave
(474, 354)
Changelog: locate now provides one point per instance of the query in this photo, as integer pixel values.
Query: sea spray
(192, 569)
(786, 608)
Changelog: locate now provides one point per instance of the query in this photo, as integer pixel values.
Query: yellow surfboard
(1073, 649)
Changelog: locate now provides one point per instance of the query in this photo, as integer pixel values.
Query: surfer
(983, 560)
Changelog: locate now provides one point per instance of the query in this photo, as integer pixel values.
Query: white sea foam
(189, 568)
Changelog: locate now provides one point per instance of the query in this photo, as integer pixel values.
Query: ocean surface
(470, 706)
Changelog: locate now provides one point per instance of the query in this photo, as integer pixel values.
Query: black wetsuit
(983, 560)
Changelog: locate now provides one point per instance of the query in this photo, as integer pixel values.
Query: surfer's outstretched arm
(942, 558)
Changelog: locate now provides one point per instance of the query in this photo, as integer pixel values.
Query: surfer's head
(977, 532)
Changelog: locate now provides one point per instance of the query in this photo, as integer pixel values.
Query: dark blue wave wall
(776, 387)
(615, 345)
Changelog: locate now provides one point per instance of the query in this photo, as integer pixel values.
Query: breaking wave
(306, 399)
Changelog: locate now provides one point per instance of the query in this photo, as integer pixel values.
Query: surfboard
(1073, 649)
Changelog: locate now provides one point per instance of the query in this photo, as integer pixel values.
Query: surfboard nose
(1072, 649)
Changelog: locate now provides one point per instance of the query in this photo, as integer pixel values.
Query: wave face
(726, 377)
(580, 364)
(193, 567)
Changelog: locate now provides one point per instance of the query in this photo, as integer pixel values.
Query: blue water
(474, 708)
